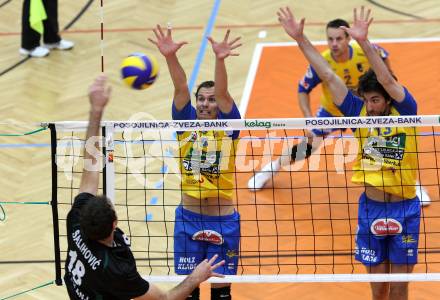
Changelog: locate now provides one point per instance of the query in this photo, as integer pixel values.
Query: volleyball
(139, 71)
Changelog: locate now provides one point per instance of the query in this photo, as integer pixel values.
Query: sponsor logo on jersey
(385, 227)
(388, 147)
(209, 236)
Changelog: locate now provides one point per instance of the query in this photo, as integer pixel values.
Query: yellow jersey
(207, 164)
(387, 157)
(349, 71)
(207, 158)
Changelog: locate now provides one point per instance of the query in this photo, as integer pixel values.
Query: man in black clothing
(100, 264)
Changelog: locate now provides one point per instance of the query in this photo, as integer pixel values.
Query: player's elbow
(220, 95)
(181, 89)
(181, 97)
(331, 78)
(221, 91)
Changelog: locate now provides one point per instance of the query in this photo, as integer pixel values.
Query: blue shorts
(322, 113)
(387, 231)
(197, 237)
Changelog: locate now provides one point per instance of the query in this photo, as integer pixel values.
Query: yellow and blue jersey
(349, 71)
(387, 157)
(387, 231)
(207, 158)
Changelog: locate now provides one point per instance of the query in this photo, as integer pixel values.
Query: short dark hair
(204, 84)
(97, 217)
(336, 23)
(368, 83)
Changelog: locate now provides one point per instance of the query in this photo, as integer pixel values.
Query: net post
(54, 204)
(109, 168)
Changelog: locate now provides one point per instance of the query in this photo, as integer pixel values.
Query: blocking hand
(224, 48)
(293, 28)
(164, 42)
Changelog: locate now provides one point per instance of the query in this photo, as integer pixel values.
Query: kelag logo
(257, 124)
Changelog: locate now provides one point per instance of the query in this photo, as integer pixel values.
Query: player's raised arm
(304, 104)
(359, 31)
(99, 95)
(295, 30)
(168, 48)
(222, 50)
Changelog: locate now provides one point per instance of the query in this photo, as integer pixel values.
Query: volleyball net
(300, 227)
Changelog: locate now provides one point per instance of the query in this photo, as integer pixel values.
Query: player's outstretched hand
(164, 42)
(291, 26)
(224, 48)
(361, 22)
(205, 270)
(99, 93)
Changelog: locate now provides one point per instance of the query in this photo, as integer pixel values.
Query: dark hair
(368, 83)
(97, 217)
(204, 84)
(336, 23)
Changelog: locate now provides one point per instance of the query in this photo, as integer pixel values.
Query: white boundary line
(250, 79)
(259, 49)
